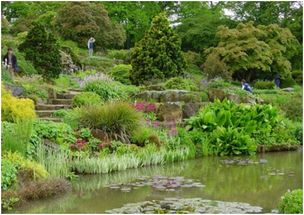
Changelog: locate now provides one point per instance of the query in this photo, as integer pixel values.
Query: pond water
(259, 184)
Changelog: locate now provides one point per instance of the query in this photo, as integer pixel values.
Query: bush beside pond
(292, 202)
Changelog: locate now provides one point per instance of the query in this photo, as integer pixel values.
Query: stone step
(69, 95)
(45, 113)
(51, 107)
(61, 101)
(54, 119)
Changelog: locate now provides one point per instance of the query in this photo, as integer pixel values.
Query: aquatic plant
(55, 161)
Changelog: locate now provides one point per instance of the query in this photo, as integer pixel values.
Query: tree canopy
(249, 51)
(78, 21)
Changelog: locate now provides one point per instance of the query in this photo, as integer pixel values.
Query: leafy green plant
(86, 98)
(180, 84)
(8, 174)
(260, 84)
(232, 129)
(60, 133)
(121, 73)
(292, 202)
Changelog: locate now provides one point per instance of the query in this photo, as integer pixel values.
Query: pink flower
(150, 107)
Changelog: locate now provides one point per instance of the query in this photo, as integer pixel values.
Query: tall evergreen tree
(158, 55)
(41, 48)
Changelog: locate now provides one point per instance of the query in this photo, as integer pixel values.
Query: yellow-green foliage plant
(14, 109)
(37, 171)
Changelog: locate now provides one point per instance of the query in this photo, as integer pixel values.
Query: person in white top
(91, 42)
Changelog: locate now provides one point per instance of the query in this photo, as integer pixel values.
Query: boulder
(233, 97)
(215, 93)
(170, 112)
(190, 109)
(288, 89)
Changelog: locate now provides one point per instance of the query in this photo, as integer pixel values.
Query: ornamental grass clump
(117, 120)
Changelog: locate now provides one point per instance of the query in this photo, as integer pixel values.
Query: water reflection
(257, 184)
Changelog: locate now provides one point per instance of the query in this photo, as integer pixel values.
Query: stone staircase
(56, 101)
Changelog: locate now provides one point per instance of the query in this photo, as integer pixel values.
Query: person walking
(91, 42)
(10, 62)
(246, 86)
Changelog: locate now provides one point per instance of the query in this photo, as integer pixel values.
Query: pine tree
(41, 48)
(158, 55)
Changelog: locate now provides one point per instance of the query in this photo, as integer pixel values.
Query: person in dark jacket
(246, 86)
(277, 81)
(10, 61)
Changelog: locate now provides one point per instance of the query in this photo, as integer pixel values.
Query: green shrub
(64, 82)
(61, 113)
(204, 96)
(145, 135)
(6, 76)
(116, 120)
(297, 75)
(218, 83)
(121, 73)
(8, 174)
(260, 84)
(290, 103)
(232, 129)
(120, 54)
(288, 82)
(193, 58)
(180, 84)
(85, 99)
(292, 202)
(110, 90)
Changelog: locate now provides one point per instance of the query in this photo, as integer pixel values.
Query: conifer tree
(158, 55)
(41, 48)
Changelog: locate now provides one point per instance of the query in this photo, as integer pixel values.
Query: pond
(260, 181)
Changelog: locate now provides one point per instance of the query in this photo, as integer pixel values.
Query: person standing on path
(91, 42)
(277, 81)
(10, 62)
